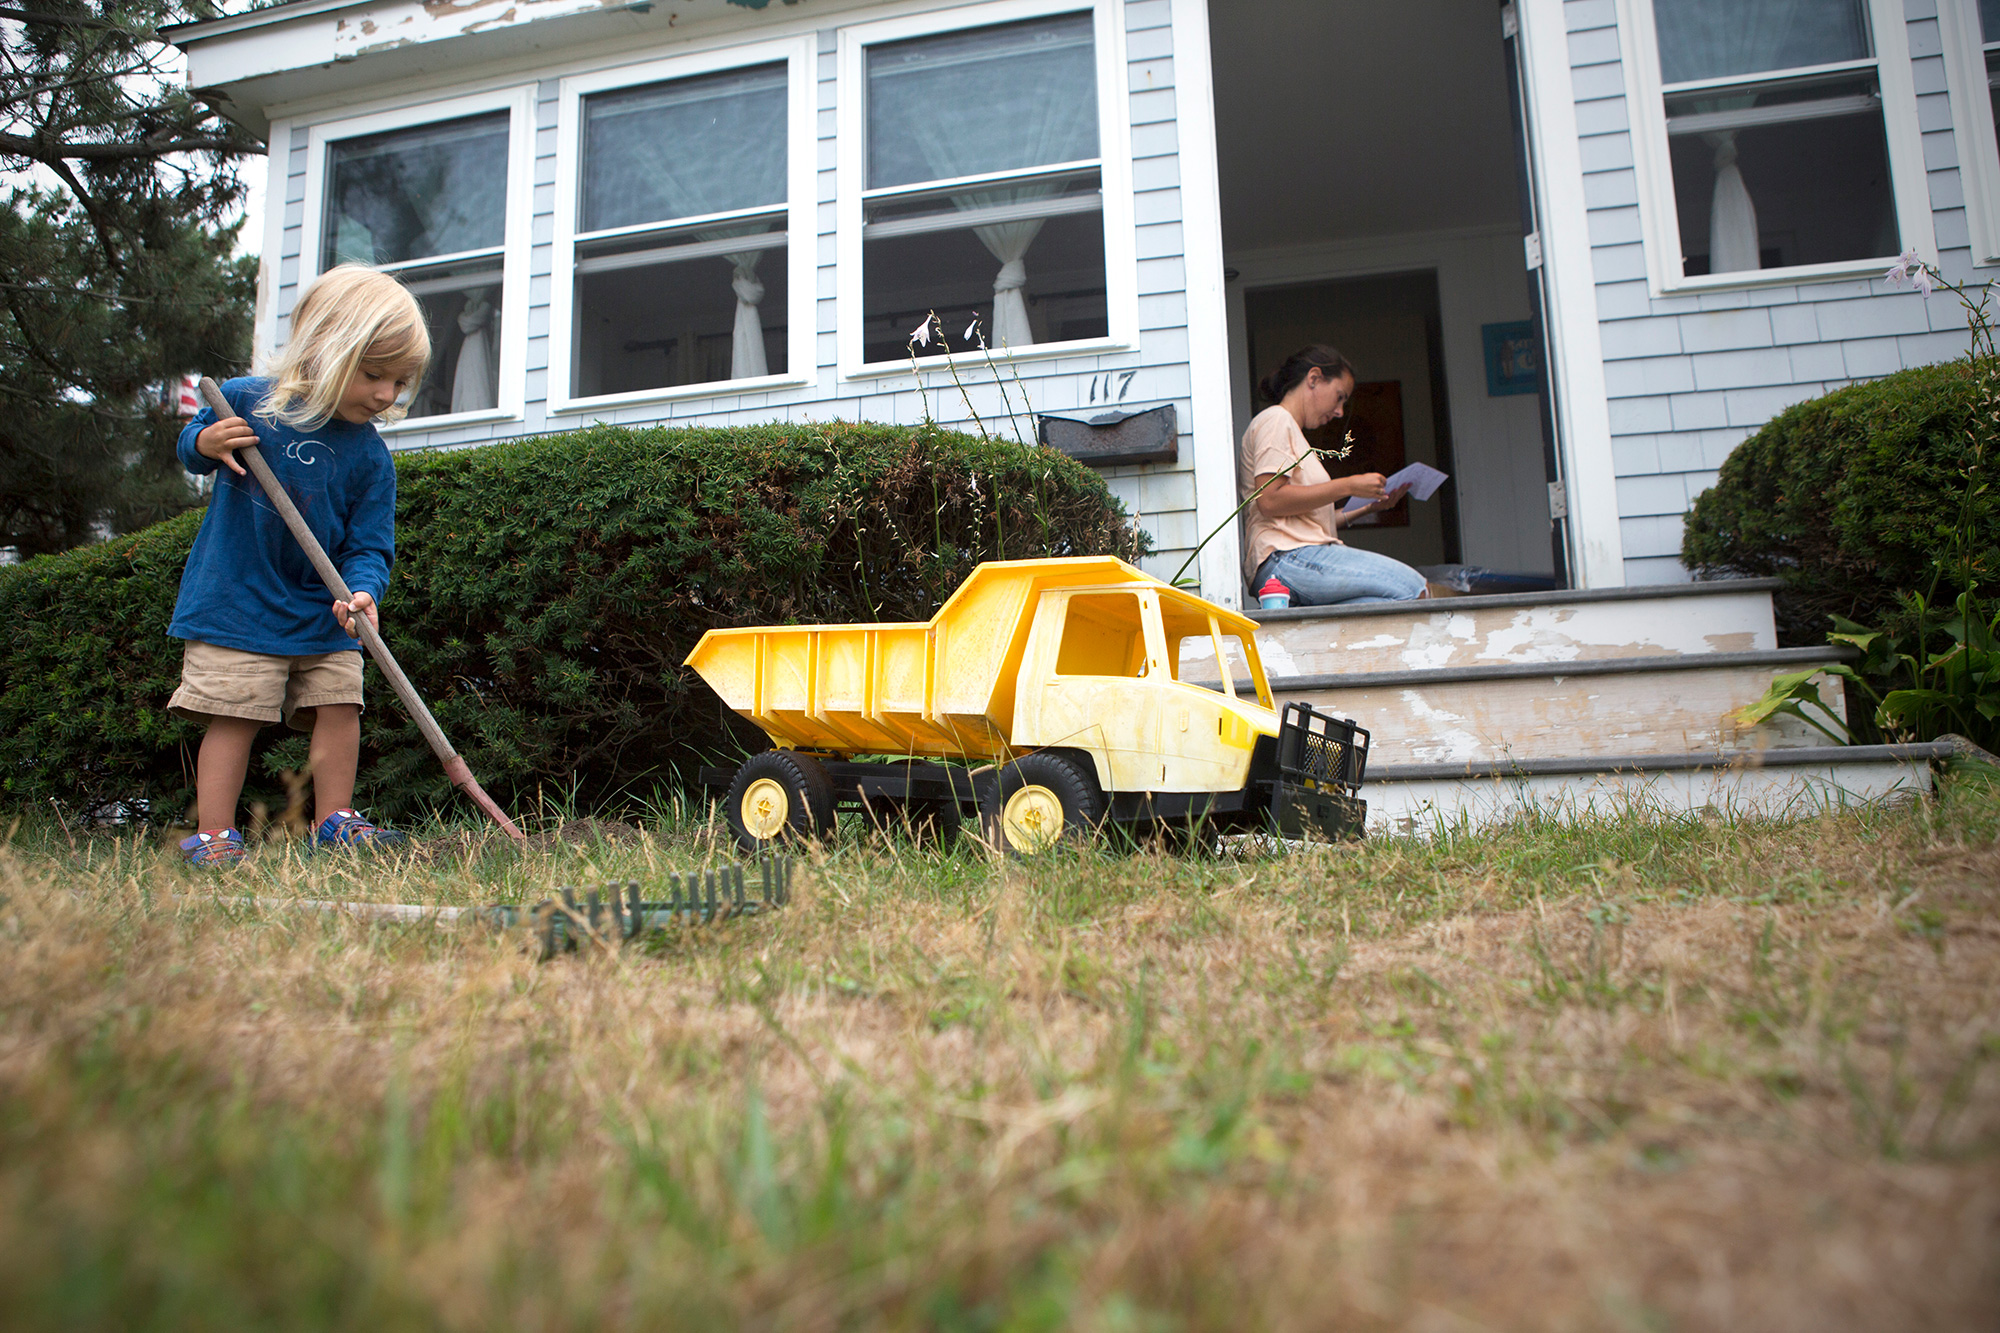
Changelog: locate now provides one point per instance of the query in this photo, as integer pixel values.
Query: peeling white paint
(1430, 638)
(1277, 658)
(438, 20)
(1448, 741)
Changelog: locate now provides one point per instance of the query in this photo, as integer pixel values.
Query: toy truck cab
(1047, 697)
(1101, 675)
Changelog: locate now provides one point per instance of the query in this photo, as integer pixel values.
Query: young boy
(266, 642)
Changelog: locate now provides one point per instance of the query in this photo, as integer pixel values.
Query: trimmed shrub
(544, 596)
(1851, 499)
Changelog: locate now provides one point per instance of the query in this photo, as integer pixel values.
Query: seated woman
(1286, 536)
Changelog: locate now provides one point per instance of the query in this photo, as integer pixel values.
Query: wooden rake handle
(454, 767)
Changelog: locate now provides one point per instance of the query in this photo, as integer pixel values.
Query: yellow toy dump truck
(1046, 696)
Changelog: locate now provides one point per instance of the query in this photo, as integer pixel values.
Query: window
(674, 228)
(1970, 30)
(660, 300)
(1196, 643)
(1782, 137)
(986, 160)
(432, 203)
(1104, 634)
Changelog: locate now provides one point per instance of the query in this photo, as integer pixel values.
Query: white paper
(1422, 478)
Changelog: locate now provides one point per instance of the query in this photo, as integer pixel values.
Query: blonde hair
(350, 316)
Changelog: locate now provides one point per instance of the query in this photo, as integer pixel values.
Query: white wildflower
(921, 335)
(1909, 270)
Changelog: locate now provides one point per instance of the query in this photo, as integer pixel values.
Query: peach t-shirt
(1271, 444)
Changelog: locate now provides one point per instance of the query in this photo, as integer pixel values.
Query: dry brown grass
(1650, 1074)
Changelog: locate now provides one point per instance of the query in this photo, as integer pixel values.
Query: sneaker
(351, 828)
(214, 849)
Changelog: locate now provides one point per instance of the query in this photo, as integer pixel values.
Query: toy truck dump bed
(1061, 676)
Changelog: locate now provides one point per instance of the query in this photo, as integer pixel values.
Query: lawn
(1648, 1073)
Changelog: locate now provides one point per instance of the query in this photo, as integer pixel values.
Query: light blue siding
(1163, 497)
(1691, 376)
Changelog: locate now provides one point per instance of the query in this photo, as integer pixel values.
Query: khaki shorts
(229, 682)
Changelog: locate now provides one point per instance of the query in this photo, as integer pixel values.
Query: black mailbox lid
(1137, 435)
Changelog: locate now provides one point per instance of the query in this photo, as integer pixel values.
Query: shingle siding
(1690, 376)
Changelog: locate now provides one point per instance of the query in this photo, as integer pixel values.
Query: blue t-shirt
(247, 584)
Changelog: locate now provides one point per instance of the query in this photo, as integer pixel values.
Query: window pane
(1060, 295)
(1104, 634)
(993, 99)
(1989, 20)
(682, 149)
(1711, 39)
(461, 305)
(1766, 182)
(657, 323)
(438, 190)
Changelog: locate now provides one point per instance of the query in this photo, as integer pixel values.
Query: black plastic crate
(1320, 749)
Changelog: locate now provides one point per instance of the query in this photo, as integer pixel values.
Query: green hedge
(545, 593)
(1850, 499)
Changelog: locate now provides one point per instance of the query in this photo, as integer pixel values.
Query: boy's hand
(363, 605)
(221, 440)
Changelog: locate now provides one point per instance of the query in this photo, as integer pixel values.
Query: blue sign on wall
(1513, 358)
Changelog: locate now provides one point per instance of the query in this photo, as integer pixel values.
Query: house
(1578, 249)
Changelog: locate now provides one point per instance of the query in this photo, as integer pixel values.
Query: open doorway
(1370, 198)
(1399, 413)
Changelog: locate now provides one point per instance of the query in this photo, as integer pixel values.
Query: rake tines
(617, 911)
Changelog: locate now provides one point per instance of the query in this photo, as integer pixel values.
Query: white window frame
(519, 103)
(1645, 95)
(1121, 262)
(1972, 125)
(801, 235)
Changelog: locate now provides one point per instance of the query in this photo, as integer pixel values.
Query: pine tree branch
(90, 211)
(40, 20)
(14, 145)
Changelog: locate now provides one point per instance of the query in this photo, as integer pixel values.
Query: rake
(454, 767)
(616, 911)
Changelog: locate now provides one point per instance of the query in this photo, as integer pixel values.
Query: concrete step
(1690, 618)
(1667, 705)
(1425, 799)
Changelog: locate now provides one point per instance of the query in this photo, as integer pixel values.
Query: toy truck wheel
(778, 796)
(1043, 799)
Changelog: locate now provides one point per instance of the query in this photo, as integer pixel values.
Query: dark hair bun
(1300, 364)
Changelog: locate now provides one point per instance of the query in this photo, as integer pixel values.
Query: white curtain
(676, 150)
(746, 345)
(1732, 215)
(475, 381)
(994, 99)
(1009, 242)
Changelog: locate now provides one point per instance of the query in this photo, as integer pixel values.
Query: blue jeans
(1337, 575)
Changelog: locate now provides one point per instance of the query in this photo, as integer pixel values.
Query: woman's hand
(361, 605)
(1388, 501)
(222, 439)
(1365, 485)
